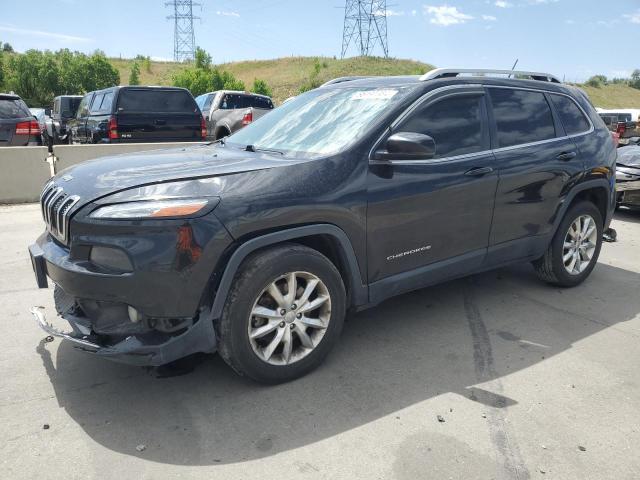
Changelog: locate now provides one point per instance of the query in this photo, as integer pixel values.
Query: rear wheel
(575, 248)
(283, 314)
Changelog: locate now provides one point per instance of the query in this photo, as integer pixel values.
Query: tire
(262, 271)
(551, 266)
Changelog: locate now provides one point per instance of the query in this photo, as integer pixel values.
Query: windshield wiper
(253, 148)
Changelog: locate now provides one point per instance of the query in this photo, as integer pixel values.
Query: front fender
(360, 294)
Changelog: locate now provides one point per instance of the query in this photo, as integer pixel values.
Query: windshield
(319, 122)
(629, 156)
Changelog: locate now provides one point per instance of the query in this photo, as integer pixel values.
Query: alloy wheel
(289, 318)
(579, 244)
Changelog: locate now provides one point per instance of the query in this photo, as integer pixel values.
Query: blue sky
(572, 38)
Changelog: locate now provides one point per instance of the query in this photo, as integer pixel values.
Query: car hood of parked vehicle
(629, 156)
(106, 175)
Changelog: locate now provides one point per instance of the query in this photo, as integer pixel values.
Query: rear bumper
(136, 350)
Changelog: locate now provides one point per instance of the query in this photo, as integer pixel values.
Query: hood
(103, 176)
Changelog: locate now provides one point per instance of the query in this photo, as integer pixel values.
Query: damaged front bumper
(138, 350)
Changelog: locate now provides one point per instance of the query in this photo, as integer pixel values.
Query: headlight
(174, 208)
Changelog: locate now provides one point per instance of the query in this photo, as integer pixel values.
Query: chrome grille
(56, 206)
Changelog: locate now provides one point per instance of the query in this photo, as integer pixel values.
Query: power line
(365, 27)
(184, 40)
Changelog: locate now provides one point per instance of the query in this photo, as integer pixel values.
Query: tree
(203, 59)
(202, 78)
(134, 76)
(196, 80)
(635, 79)
(261, 87)
(34, 76)
(99, 73)
(7, 48)
(597, 81)
(1, 71)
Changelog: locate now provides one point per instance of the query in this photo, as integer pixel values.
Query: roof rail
(342, 80)
(454, 72)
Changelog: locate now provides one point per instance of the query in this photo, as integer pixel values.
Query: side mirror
(407, 146)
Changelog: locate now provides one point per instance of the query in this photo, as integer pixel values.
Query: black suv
(138, 114)
(347, 195)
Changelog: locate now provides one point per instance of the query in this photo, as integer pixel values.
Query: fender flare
(359, 291)
(581, 187)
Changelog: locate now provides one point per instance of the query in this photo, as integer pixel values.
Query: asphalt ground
(496, 376)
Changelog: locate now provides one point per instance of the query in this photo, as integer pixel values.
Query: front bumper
(165, 286)
(136, 350)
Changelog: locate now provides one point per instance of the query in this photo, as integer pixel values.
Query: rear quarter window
(521, 116)
(570, 114)
(260, 102)
(11, 108)
(156, 101)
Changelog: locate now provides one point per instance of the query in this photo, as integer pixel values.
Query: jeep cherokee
(349, 194)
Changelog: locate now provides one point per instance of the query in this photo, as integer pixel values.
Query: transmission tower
(184, 42)
(365, 26)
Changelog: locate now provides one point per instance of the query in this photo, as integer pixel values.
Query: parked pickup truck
(622, 123)
(227, 111)
(137, 114)
(64, 109)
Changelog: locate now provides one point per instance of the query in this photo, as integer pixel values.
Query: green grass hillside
(614, 96)
(286, 75)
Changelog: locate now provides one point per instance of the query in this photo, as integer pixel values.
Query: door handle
(478, 171)
(567, 155)
(160, 122)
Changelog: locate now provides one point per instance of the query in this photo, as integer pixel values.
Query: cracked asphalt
(531, 382)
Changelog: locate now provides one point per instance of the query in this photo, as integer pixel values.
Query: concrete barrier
(23, 172)
(67, 155)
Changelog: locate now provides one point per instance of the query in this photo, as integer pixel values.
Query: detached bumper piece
(141, 350)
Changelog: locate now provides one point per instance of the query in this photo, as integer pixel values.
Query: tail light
(31, 127)
(621, 128)
(113, 128)
(203, 128)
(248, 118)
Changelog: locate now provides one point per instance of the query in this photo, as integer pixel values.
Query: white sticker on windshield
(374, 95)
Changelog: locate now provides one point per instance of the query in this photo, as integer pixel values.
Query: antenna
(184, 42)
(365, 26)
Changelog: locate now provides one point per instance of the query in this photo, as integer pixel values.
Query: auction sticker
(381, 94)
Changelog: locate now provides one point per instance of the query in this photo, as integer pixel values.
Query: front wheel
(575, 248)
(284, 313)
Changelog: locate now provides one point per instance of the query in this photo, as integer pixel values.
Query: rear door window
(13, 108)
(156, 101)
(521, 116)
(97, 100)
(570, 114)
(107, 103)
(455, 123)
(83, 108)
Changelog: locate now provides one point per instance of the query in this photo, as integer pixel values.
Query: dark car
(137, 114)
(344, 196)
(18, 126)
(628, 176)
(64, 109)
